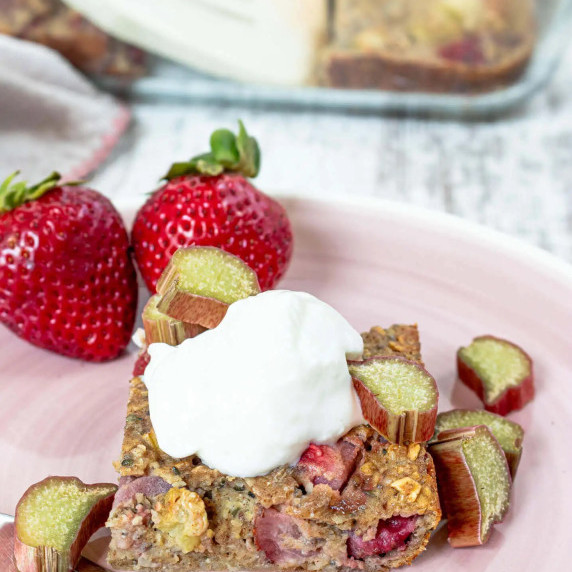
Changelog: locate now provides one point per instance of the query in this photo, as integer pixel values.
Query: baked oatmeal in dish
(433, 46)
(361, 503)
(53, 24)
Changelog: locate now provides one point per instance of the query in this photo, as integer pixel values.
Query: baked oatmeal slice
(441, 46)
(359, 503)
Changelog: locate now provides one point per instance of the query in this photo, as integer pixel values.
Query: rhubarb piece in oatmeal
(398, 398)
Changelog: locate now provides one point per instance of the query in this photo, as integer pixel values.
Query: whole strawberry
(67, 282)
(209, 201)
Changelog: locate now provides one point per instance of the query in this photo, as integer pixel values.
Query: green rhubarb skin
(500, 365)
(160, 327)
(152, 313)
(507, 433)
(489, 470)
(53, 514)
(215, 274)
(399, 386)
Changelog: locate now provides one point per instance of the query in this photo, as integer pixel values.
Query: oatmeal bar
(361, 503)
(433, 46)
(53, 24)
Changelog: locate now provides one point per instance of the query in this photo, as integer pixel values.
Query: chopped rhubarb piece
(498, 371)
(200, 282)
(398, 398)
(54, 520)
(474, 483)
(392, 534)
(508, 433)
(280, 537)
(331, 465)
(147, 486)
(161, 328)
(7, 563)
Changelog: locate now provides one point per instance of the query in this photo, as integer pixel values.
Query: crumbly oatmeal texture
(362, 503)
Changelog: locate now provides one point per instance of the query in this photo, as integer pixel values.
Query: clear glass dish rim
(208, 90)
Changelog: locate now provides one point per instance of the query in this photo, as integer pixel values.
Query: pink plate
(378, 263)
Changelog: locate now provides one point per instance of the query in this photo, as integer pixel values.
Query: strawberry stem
(229, 153)
(12, 195)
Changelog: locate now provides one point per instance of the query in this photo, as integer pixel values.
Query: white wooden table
(512, 174)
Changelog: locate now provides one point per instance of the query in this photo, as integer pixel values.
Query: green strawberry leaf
(176, 170)
(229, 154)
(224, 147)
(249, 152)
(12, 195)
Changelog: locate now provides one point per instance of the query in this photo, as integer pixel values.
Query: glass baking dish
(168, 81)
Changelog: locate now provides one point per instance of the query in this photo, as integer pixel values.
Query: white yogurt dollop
(252, 393)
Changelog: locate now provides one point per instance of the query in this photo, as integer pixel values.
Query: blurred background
(463, 106)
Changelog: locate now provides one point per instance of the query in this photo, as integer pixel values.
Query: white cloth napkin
(51, 117)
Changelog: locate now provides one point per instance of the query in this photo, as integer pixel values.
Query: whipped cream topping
(252, 393)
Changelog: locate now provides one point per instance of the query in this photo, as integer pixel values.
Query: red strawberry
(391, 534)
(329, 464)
(210, 202)
(67, 282)
(469, 51)
(141, 363)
